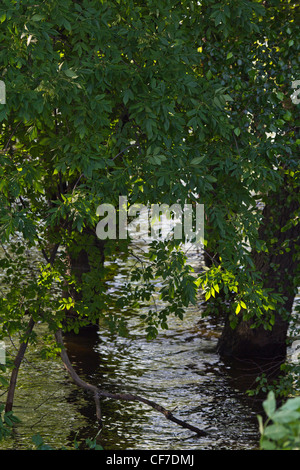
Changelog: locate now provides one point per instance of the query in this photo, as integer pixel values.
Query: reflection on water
(179, 370)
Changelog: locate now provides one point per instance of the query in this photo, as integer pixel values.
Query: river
(180, 369)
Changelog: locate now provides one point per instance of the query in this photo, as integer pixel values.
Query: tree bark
(79, 262)
(278, 268)
(15, 371)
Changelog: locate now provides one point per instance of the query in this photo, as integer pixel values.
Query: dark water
(179, 370)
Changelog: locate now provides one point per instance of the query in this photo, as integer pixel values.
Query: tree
(154, 102)
(258, 71)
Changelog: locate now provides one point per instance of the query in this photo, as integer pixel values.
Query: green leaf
(197, 160)
(280, 95)
(210, 178)
(128, 95)
(7, 420)
(292, 404)
(266, 444)
(269, 404)
(70, 73)
(4, 381)
(37, 17)
(207, 295)
(286, 416)
(275, 432)
(216, 287)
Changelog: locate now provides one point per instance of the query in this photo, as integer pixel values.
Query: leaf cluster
(186, 102)
(281, 431)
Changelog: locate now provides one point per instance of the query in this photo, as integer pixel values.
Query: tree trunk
(80, 260)
(15, 371)
(278, 268)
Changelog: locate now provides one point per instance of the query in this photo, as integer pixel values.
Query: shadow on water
(180, 370)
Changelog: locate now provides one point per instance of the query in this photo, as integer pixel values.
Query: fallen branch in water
(117, 396)
(15, 371)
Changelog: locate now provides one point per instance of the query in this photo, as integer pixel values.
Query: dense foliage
(163, 102)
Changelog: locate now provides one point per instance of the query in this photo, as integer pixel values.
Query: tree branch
(117, 396)
(15, 371)
(124, 150)
(11, 136)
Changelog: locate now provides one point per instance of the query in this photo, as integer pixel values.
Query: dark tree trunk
(278, 268)
(15, 371)
(80, 259)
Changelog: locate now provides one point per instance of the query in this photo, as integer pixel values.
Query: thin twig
(122, 151)
(11, 136)
(77, 182)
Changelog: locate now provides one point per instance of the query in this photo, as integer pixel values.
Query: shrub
(281, 430)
